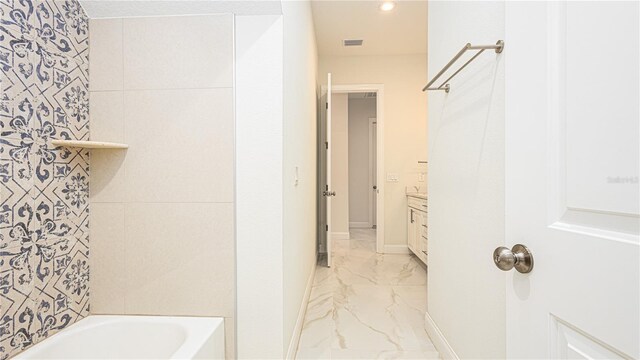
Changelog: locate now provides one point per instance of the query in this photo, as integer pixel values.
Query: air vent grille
(369, 95)
(352, 42)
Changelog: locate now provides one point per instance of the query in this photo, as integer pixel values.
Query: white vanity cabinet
(417, 226)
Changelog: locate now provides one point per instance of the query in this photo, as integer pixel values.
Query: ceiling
(117, 8)
(402, 30)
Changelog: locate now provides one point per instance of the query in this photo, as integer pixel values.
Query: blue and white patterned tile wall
(44, 190)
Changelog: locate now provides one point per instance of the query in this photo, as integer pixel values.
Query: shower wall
(162, 216)
(44, 190)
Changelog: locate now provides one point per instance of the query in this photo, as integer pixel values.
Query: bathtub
(134, 337)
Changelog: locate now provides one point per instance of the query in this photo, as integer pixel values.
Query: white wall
(340, 166)
(405, 129)
(300, 103)
(360, 110)
(276, 68)
(259, 186)
(466, 297)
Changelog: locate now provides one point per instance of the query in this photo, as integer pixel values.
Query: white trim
(359, 225)
(437, 338)
(297, 329)
(372, 163)
(379, 90)
(340, 235)
(328, 111)
(396, 249)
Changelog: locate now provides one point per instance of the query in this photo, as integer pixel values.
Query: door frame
(379, 90)
(372, 160)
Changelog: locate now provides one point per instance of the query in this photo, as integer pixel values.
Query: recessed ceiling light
(387, 6)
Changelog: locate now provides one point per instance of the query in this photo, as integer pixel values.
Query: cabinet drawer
(416, 203)
(423, 248)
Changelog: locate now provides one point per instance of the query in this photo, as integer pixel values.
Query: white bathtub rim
(198, 328)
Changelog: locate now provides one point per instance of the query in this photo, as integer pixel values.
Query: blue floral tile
(16, 168)
(62, 282)
(72, 110)
(17, 273)
(18, 317)
(73, 281)
(17, 220)
(16, 204)
(44, 210)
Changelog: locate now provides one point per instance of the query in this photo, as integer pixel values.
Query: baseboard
(360, 225)
(340, 235)
(438, 339)
(396, 249)
(297, 329)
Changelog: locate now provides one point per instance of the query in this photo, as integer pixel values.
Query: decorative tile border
(44, 190)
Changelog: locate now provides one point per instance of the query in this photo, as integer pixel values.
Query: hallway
(367, 306)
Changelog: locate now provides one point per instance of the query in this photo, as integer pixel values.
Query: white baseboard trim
(340, 235)
(396, 249)
(438, 339)
(360, 225)
(297, 330)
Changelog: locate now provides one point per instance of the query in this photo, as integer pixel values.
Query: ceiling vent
(352, 42)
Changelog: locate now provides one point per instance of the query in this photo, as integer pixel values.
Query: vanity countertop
(422, 196)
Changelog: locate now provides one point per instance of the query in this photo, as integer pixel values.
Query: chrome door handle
(518, 257)
(328, 193)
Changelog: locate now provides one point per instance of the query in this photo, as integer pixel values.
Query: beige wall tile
(107, 176)
(107, 261)
(107, 124)
(107, 115)
(181, 145)
(178, 52)
(180, 259)
(105, 54)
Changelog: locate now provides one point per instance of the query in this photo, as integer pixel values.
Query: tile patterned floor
(367, 306)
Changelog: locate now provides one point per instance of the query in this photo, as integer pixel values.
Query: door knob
(518, 257)
(329, 193)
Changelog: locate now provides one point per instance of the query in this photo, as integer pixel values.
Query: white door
(324, 174)
(572, 193)
(373, 170)
(329, 193)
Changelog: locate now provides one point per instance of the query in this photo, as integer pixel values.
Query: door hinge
(326, 105)
(326, 187)
(326, 228)
(326, 145)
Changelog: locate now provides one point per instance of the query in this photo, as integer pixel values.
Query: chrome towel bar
(498, 47)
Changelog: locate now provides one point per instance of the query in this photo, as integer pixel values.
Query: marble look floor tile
(366, 315)
(315, 353)
(318, 326)
(373, 354)
(367, 305)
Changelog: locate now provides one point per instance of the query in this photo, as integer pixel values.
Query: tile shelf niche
(89, 144)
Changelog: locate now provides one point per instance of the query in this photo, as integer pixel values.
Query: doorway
(361, 149)
(350, 174)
